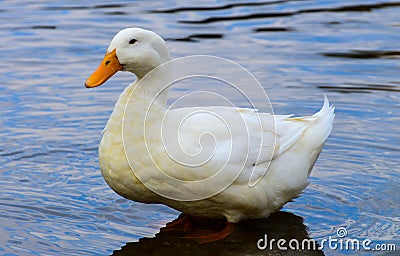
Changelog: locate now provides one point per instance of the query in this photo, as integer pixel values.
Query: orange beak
(107, 68)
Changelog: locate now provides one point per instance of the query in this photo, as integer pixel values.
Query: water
(53, 198)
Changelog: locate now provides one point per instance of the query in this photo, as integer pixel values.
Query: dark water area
(53, 199)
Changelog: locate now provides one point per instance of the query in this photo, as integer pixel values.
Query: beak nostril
(107, 68)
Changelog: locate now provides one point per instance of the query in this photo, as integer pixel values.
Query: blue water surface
(52, 196)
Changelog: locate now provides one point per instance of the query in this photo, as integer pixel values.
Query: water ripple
(363, 54)
(222, 7)
(350, 8)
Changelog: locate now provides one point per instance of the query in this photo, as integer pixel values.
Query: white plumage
(227, 162)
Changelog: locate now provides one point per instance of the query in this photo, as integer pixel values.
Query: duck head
(133, 49)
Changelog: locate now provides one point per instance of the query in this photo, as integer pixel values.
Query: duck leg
(181, 224)
(207, 236)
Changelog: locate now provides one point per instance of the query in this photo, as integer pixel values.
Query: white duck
(153, 155)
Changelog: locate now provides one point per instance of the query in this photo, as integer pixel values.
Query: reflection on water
(360, 54)
(281, 225)
(196, 37)
(349, 8)
(52, 196)
(361, 88)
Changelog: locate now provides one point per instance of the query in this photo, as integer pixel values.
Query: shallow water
(53, 198)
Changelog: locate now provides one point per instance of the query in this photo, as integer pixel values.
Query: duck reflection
(251, 237)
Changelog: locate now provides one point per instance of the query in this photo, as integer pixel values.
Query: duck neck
(145, 98)
(153, 85)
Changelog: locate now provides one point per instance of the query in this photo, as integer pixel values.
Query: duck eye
(132, 41)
